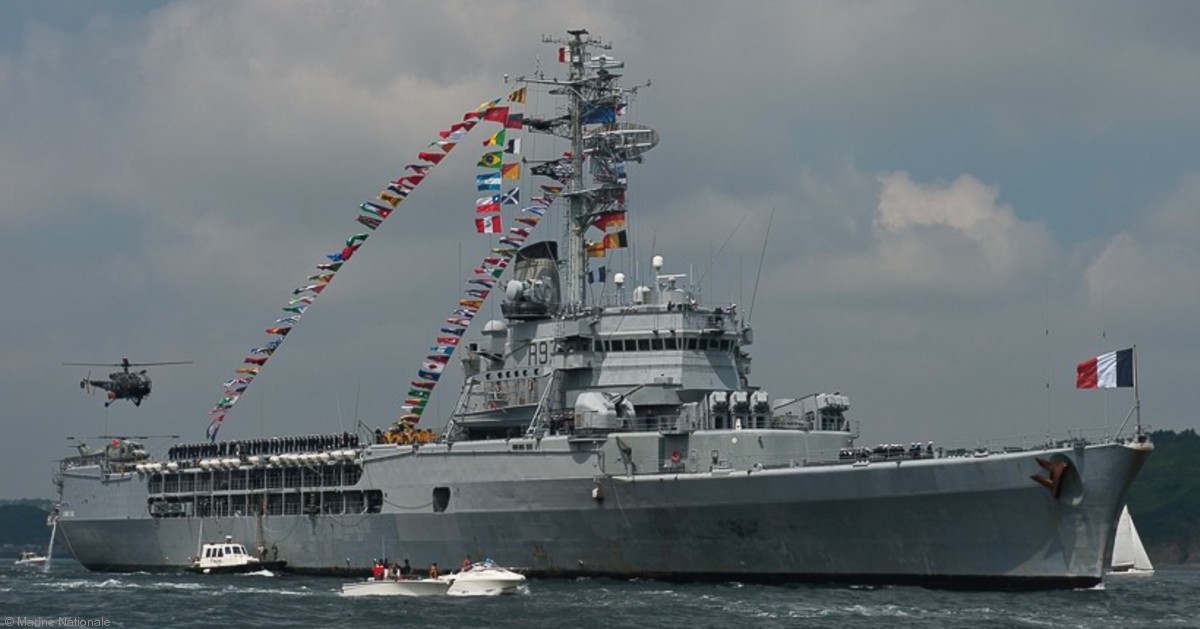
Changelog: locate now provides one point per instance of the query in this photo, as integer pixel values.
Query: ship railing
(541, 415)
(1028, 443)
(676, 423)
(653, 423)
(698, 461)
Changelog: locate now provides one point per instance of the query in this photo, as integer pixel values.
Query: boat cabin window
(669, 343)
(656, 344)
(643, 345)
(692, 344)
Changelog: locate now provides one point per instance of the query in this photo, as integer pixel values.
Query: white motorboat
(483, 579)
(1129, 555)
(403, 587)
(229, 557)
(30, 558)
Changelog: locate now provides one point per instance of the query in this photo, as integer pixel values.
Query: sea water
(70, 596)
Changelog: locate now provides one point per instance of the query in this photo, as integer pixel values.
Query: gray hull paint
(956, 521)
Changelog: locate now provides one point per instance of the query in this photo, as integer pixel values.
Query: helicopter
(125, 384)
(117, 448)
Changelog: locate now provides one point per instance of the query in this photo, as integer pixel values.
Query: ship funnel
(533, 292)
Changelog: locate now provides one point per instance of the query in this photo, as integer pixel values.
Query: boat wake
(259, 573)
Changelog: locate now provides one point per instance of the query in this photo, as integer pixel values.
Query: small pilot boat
(228, 557)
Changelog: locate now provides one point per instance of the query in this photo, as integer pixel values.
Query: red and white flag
(489, 225)
(1107, 371)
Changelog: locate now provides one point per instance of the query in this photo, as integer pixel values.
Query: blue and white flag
(487, 182)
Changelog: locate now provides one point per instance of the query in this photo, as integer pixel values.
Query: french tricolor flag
(1107, 371)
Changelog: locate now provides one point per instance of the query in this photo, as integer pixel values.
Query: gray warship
(618, 437)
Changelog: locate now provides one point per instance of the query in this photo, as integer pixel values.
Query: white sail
(1129, 556)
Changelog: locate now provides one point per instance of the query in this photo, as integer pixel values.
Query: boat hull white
(404, 587)
(484, 581)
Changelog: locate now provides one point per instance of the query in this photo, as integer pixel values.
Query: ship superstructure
(619, 437)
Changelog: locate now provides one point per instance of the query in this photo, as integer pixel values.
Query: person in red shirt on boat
(377, 571)
(467, 563)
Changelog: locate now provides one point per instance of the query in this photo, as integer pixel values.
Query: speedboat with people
(30, 558)
(391, 580)
(478, 579)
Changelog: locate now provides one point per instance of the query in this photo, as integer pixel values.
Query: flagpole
(1137, 401)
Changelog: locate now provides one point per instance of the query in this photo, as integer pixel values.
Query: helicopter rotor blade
(91, 364)
(122, 364)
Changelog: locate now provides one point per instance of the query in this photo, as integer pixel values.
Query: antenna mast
(593, 98)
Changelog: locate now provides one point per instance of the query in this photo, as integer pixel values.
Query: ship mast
(577, 214)
(592, 93)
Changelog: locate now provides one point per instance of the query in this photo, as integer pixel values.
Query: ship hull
(952, 522)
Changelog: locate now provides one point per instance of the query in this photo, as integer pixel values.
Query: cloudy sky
(968, 199)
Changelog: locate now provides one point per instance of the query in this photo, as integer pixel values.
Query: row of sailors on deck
(274, 445)
(890, 451)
